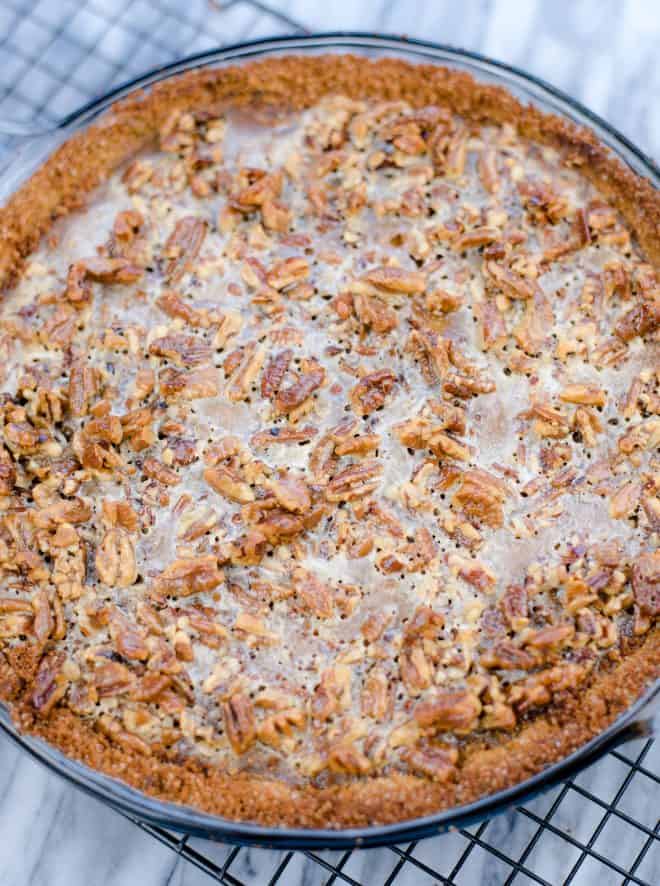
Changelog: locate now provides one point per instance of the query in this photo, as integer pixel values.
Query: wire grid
(54, 58)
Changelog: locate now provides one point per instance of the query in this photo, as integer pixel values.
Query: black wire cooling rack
(600, 826)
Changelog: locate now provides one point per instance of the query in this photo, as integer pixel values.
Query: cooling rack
(600, 826)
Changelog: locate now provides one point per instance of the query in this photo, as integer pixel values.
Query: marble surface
(56, 55)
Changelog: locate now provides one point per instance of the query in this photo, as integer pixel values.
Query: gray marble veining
(603, 52)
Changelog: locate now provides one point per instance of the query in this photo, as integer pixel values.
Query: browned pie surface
(330, 454)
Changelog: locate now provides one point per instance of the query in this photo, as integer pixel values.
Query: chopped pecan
(376, 696)
(156, 470)
(50, 683)
(480, 497)
(415, 669)
(437, 762)
(508, 657)
(110, 270)
(128, 639)
(192, 575)
(287, 272)
(276, 729)
(291, 493)
(315, 596)
(184, 350)
(355, 481)
(642, 319)
(274, 373)
(183, 246)
(373, 313)
(333, 693)
(43, 624)
(346, 759)
(371, 391)
(294, 395)
(115, 560)
(587, 395)
(389, 279)
(228, 483)
(646, 583)
(193, 385)
(456, 711)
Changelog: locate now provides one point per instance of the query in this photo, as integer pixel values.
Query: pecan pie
(329, 470)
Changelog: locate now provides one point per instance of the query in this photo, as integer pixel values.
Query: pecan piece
(238, 714)
(435, 762)
(184, 350)
(373, 313)
(227, 483)
(111, 270)
(182, 246)
(291, 493)
(376, 698)
(314, 594)
(115, 560)
(456, 711)
(129, 641)
(187, 576)
(642, 319)
(83, 387)
(274, 730)
(193, 385)
(480, 497)
(355, 481)
(390, 279)
(288, 271)
(508, 657)
(308, 381)
(50, 683)
(156, 470)
(587, 395)
(371, 391)
(274, 373)
(646, 583)
(346, 759)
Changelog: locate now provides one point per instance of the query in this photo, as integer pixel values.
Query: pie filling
(329, 444)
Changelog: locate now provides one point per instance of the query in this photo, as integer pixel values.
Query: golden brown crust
(62, 186)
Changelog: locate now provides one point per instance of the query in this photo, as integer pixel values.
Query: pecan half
(238, 714)
(355, 481)
(183, 246)
(115, 560)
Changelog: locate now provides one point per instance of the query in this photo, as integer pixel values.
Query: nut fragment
(115, 559)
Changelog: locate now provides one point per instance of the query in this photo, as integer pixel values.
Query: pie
(329, 475)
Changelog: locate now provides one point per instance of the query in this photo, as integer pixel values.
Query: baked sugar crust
(496, 537)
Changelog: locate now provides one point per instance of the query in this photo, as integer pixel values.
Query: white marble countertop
(53, 57)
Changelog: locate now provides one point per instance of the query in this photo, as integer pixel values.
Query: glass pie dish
(34, 151)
